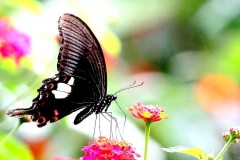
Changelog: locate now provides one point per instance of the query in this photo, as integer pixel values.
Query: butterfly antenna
(128, 87)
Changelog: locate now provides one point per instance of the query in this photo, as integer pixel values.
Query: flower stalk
(147, 133)
(10, 134)
(224, 149)
(148, 114)
(230, 137)
(21, 121)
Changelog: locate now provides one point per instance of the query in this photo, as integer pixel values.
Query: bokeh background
(186, 52)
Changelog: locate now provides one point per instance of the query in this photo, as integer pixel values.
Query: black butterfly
(81, 82)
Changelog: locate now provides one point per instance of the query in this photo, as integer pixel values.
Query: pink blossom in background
(13, 43)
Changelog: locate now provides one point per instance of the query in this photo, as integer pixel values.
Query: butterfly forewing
(80, 53)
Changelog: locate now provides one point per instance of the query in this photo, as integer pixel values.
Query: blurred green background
(186, 52)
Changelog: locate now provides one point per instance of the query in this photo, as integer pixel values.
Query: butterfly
(81, 81)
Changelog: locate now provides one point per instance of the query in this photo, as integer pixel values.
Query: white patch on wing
(64, 87)
(71, 81)
(59, 94)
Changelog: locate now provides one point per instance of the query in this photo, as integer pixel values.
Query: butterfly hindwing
(56, 99)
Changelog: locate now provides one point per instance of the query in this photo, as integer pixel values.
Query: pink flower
(148, 113)
(108, 149)
(13, 43)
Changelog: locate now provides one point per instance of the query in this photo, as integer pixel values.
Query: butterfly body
(81, 82)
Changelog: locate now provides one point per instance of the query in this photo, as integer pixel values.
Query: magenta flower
(108, 149)
(13, 43)
(148, 113)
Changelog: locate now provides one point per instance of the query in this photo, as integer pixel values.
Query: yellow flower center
(146, 114)
(163, 115)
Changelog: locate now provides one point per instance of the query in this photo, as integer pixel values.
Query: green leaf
(196, 152)
(14, 149)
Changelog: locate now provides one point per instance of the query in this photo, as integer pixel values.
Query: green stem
(224, 149)
(11, 133)
(147, 132)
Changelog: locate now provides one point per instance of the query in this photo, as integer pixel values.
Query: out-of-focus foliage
(186, 52)
(20, 150)
(12, 6)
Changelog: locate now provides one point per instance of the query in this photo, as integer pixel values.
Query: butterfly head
(113, 97)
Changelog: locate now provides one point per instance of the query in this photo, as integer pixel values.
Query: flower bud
(226, 136)
(210, 156)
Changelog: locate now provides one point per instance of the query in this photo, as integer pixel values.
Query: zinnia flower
(148, 113)
(13, 43)
(108, 149)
